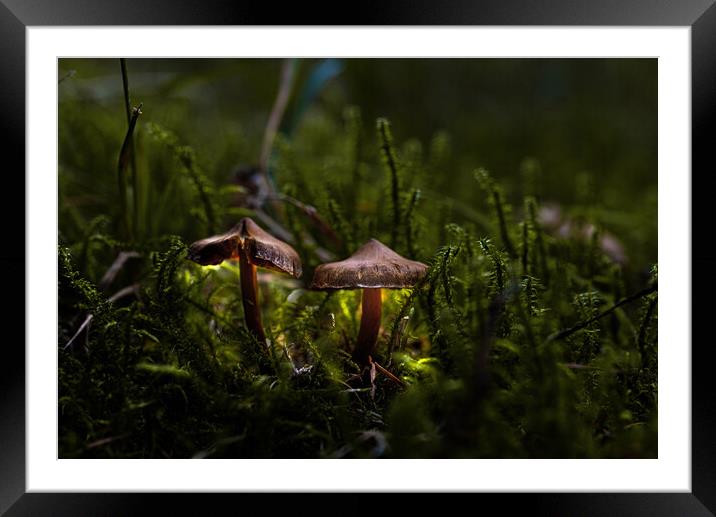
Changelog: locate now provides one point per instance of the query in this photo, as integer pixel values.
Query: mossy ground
(166, 368)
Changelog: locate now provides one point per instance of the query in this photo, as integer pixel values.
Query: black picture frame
(16, 15)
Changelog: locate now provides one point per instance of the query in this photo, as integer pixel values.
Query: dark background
(578, 132)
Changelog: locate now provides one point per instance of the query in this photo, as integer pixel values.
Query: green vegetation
(527, 186)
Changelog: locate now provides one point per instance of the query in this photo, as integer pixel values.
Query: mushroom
(254, 248)
(372, 268)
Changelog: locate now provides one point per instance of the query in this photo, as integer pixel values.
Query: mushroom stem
(249, 296)
(369, 325)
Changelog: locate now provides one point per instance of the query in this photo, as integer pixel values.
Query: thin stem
(131, 289)
(641, 340)
(390, 376)
(391, 162)
(506, 241)
(532, 209)
(125, 86)
(495, 312)
(188, 160)
(249, 297)
(116, 267)
(414, 198)
(579, 326)
(369, 325)
(122, 172)
(133, 164)
(525, 249)
(310, 212)
(274, 121)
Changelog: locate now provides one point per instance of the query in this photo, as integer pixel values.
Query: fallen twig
(116, 267)
(105, 441)
(274, 121)
(134, 288)
(310, 212)
(388, 374)
(579, 326)
(577, 366)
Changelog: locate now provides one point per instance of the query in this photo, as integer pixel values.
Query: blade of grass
(122, 165)
(133, 164)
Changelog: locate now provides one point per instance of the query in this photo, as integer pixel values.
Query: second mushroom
(253, 247)
(372, 267)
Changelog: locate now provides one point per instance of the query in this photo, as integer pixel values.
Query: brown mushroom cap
(264, 250)
(261, 249)
(374, 265)
(216, 249)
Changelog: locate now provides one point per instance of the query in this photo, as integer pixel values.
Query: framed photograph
(417, 253)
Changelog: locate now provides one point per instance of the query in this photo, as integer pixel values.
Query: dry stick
(105, 441)
(310, 212)
(85, 323)
(577, 366)
(116, 296)
(106, 280)
(388, 374)
(274, 121)
(579, 326)
(371, 375)
(116, 267)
